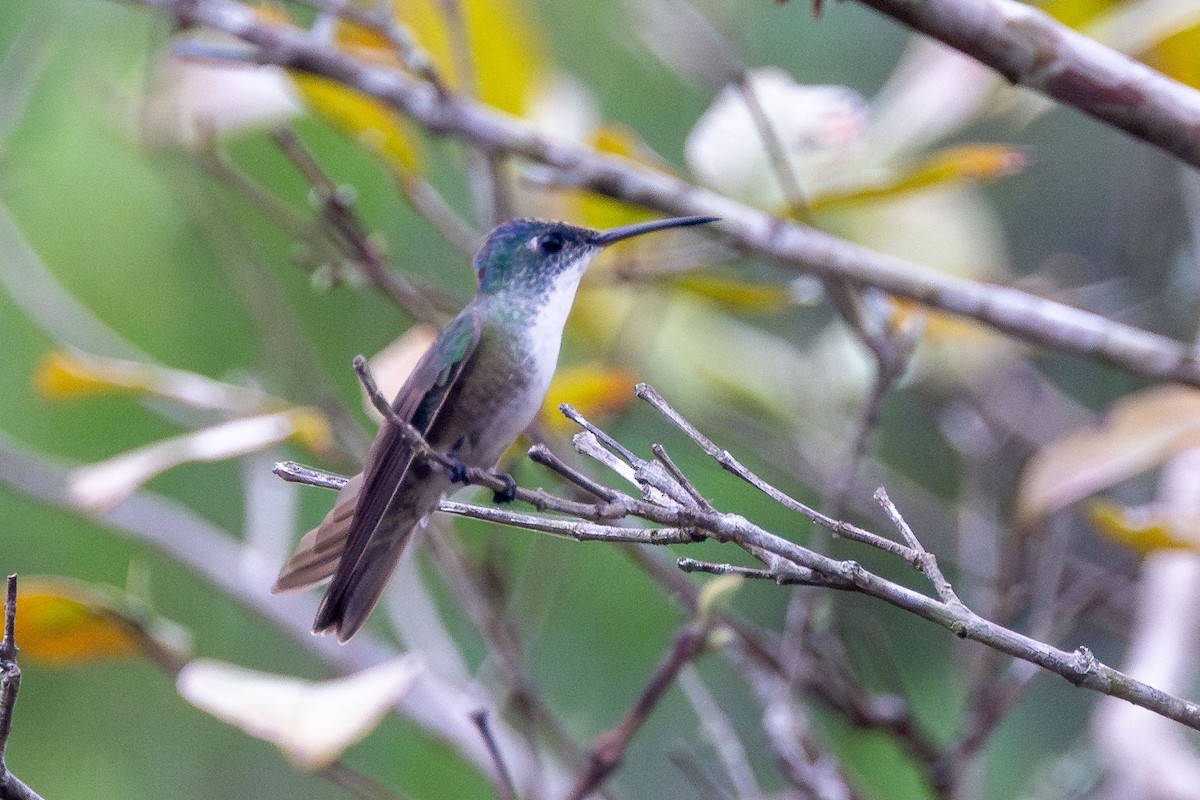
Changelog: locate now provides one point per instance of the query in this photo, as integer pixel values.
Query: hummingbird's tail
(318, 558)
(348, 602)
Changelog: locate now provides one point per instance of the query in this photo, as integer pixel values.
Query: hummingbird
(478, 386)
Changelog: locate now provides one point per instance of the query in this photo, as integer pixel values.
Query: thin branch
(627, 455)
(735, 467)
(8, 646)
(784, 577)
(1080, 667)
(926, 561)
(891, 350)
(504, 786)
(337, 209)
(540, 454)
(358, 783)
(381, 21)
(11, 787)
(572, 529)
(608, 749)
(427, 201)
(294, 472)
(721, 733)
(699, 499)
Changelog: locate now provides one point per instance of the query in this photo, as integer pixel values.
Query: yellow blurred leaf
(1077, 13)
(1140, 432)
(313, 723)
(311, 429)
(63, 374)
(737, 295)
(975, 162)
(1142, 529)
(505, 56)
(596, 390)
(599, 211)
(63, 622)
(367, 121)
(717, 593)
(1178, 55)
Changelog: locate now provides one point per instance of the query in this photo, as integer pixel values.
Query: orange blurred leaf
(1140, 432)
(63, 622)
(596, 390)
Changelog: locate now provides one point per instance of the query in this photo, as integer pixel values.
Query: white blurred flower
(100, 487)
(820, 128)
(190, 100)
(313, 723)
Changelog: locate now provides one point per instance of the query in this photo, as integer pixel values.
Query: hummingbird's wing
(352, 544)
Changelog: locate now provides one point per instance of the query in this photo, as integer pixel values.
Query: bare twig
(1080, 667)
(358, 783)
(381, 21)
(926, 561)
(608, 749)
(427, 201)
(540, 454)
(504, 786)
(699, 499)
(337, 209)
(735, 467)
(782, 576)
(891, 351)
(720, 732)
(11, 787)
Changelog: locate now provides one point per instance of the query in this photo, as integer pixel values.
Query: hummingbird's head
(531, 255)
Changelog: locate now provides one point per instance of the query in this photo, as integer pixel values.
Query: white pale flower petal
(820, 128)
(101, 486)
(313, 723)
(189, 100)
(934, 92)
(563, 108)
(392, 365)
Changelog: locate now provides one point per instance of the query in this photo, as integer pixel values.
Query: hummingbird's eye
(550, 243)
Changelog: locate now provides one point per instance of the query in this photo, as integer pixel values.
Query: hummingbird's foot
(509, 492)
(456, 470)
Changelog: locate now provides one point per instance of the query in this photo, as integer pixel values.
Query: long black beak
(605, 238)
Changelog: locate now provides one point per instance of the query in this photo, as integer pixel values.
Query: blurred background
(148, 214)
